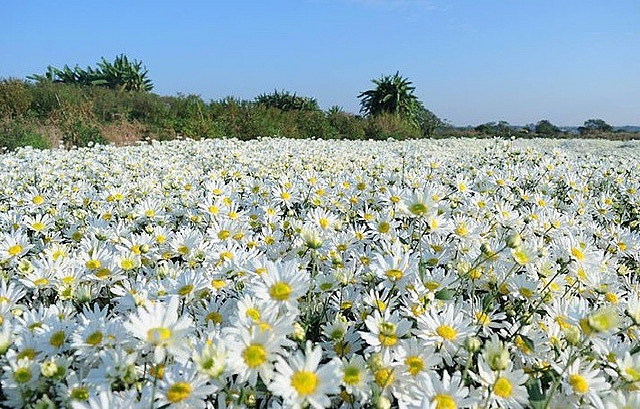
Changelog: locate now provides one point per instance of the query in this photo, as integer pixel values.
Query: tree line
(113, 102)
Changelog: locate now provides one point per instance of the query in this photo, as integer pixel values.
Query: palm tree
(393, 95)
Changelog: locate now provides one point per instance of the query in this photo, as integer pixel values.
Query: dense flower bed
(283, 273)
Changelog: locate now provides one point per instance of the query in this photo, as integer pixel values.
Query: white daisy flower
(302, 380)
(160, 327)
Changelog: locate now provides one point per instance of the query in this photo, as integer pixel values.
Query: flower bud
(472, 344)
(383, 402)
(299, 333)
(48, 369)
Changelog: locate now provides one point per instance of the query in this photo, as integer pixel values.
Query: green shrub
(15, 134)
(385, 126)
(49, 100)
(312, 124)
(81, 133)
(347, 126)
(286, 101)
(15, 98)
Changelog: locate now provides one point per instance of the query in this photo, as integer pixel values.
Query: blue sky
(471, 61)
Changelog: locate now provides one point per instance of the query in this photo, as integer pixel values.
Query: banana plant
(393, 94)
(122, 74)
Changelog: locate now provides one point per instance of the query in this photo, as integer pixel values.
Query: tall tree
(393, 94)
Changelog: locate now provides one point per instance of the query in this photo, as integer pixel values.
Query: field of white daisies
(327, 274)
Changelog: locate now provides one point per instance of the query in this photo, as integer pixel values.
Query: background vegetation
(112, 103)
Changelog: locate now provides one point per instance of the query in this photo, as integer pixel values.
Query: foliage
(347, 126)
(15, 98)
(592, 126)
(121, 75)
(393, 94)
(428, 122)
(386, 125)
(80, 133)
(286, 101)
(83, 115)
(501, 129)
(15, 134)
(546, 128)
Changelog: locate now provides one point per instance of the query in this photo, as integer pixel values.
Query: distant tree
(501, 129)
(428, 122)
(546, 128)
(286, 101)
(393, 94)
(594, 126)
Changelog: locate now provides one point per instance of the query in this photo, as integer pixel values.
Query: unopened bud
(383, 403)
(472, 344)
(48, 369)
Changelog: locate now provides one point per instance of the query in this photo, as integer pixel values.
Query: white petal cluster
(344, 274)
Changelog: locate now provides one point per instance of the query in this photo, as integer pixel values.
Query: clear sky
(471, 61)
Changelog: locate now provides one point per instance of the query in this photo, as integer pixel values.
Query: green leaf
(534, 388)
(445, 294)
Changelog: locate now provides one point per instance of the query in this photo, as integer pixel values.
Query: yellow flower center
(387, 335)
(578, 383)
(352, 375)
(383, 227)
(94, 339)
(415, 364)
(179, 391)
(254, 355)
(40, 282)
(217, 284)
(304, 382)
(37, 200)
(102, 273)
(183, 250)
(158, 335)
(253, 314)
(446, 332)
(432, 285)
(418, 209)
(28, 353)
(80, 393)
(22, 375)
(462, 230)
(93, 264)
(214, 317)
(394, 274)
(444, 401)
(127, 264)
(57, 339)
(384, 377)
(280, 291)
(502, 388)
(577, 253)
(525, 292)
(185, 289)
(520, 256)
(483, 319)
(15, 250)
